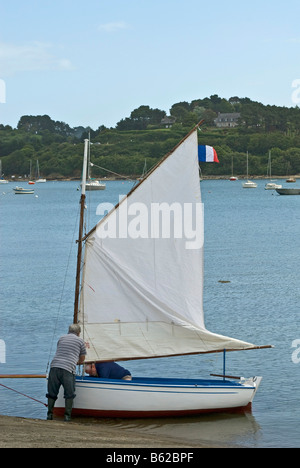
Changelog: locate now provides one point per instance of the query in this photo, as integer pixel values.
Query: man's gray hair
(75, 329)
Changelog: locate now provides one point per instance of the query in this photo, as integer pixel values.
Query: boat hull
(95, 187)
(141, 398)
(288, 191)
(249, 185)
(23, 191)
(272, 186)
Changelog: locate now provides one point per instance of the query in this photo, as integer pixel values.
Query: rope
(112, 172)
(23, 394)
(62, 292)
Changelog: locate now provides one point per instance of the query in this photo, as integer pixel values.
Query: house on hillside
(168, 122)
(227, 120)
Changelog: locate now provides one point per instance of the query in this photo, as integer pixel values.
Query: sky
(92, 63)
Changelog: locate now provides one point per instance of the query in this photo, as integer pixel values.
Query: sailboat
(144, 171)
(290, 179)
(92, 184)
(2, 181)
(139, 295)
(249, 183)
(30, 182)
(271, 185)
(233, 177)
(23, 191)
(38, 179)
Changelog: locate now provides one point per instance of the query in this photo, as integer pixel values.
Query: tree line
(141, 137)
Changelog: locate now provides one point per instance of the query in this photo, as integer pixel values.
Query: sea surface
(251, 292)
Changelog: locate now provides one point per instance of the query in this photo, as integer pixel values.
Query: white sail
(142, 284)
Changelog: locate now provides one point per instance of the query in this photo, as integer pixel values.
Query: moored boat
(288, 191)
(95, 185)
(130, 307)
(291, 180)
(158, 397)
(249, 184)
(272, 186)
(23, 191)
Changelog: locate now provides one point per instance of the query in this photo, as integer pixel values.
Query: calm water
(251, 240)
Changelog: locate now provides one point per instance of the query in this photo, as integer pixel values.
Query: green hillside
(141, 136)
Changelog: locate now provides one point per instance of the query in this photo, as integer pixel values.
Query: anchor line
(23, 394)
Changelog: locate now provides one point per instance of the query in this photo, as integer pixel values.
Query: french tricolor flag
(207, 154)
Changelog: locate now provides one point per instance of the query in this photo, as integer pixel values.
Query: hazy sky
(93, 62)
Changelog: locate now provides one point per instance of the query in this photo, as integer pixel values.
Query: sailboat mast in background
(81, 221)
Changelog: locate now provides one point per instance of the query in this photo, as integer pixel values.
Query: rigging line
(23, 394)
(112, 172)
(63, 288)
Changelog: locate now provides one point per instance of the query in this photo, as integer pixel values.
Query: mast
(80, 241)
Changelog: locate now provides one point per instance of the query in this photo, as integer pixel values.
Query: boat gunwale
(166, 382)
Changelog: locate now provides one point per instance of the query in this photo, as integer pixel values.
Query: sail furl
(142, 283)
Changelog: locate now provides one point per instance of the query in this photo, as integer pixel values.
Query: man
(108, 370)
(70, 352)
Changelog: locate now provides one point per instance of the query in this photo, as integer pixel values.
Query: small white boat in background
(232, 178)
(95, 185)
(272, 186)
(92, 184)
(249, 183)
(23, 191)
(2, 181)
(39, 180)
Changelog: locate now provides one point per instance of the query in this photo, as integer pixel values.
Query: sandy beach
(36, 433)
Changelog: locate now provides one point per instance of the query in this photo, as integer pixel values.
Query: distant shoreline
(135, 178)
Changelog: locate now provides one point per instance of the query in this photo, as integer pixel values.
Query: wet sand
(35, 433)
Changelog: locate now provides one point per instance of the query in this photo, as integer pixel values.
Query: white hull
(23, 191)
(249, 184)
(271, 186)
(146, 397)
(95, 185)
(286, 191)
